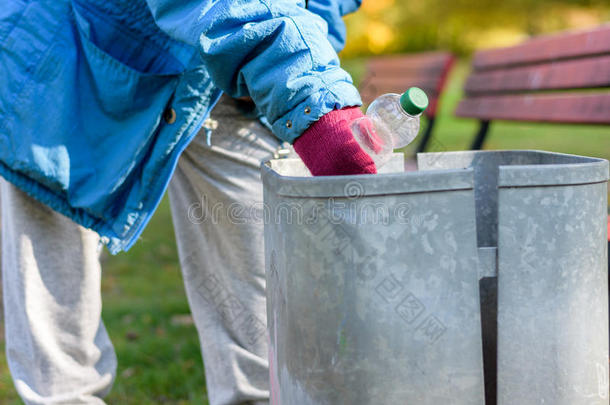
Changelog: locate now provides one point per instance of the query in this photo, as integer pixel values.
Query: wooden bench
(562, 78)
(395, 74)
(541, 80)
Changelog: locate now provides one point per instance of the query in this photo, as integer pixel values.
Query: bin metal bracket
(488, 262)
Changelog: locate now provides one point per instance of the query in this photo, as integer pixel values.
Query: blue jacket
(98, 98)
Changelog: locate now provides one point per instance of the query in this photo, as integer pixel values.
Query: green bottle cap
(414, 101)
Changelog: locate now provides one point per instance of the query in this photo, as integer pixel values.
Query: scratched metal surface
(546, 213)
(372, 288)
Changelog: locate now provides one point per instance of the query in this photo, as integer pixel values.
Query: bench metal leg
(477, 144)
(426, 137)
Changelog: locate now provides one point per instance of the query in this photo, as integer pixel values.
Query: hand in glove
(329, 148)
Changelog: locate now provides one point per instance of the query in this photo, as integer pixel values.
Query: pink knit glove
(328, 147)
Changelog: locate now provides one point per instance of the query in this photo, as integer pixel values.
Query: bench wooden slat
(393, 74)
(428, 64)
(591, 72)
(371, 93)
(426, 81)
(381, 85)
(563, 108)
(547, 48)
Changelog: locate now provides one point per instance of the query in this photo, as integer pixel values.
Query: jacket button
(169, 115)
(288, 124)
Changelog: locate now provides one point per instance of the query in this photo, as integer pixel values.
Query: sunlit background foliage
(462, 26)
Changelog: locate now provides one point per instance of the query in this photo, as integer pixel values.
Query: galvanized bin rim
(561, 170)
(367, 185)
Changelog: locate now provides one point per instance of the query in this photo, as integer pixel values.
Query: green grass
(144, 303)
(144, 300)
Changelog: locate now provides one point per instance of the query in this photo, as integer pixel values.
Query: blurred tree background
(462, 26)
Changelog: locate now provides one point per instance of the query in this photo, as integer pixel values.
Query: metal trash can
(373, 281)
(546, 215)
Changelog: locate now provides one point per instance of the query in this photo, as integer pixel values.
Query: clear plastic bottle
(395, 123)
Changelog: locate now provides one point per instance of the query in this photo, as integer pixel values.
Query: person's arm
(275, 52)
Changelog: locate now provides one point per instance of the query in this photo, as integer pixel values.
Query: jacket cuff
(334, 97)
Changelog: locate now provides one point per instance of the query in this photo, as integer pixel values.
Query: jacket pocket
(120, 106)
(123, 89)
(129, 36)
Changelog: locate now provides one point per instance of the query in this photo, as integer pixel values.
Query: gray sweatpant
(57, 347)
